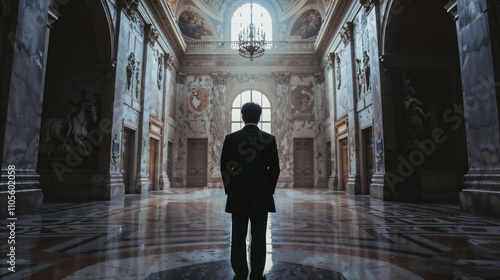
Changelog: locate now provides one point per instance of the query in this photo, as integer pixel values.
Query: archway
(422, 71)
(79, 70)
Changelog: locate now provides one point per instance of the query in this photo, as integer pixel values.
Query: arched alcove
(420, 58)
(79, 62)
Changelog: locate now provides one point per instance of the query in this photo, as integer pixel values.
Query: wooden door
(344, 158)
(197, 163)
(303, 162)
(328, 159)
(127, 162)
(153, 163)
(170, 157)
(368, 160)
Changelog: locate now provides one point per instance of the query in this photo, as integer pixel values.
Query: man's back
(250, 170)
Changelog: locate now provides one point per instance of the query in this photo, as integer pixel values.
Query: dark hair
(251, 112)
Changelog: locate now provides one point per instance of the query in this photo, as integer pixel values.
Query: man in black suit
(250, 171)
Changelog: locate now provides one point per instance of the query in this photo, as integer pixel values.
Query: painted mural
(307, 25)
(193, 25)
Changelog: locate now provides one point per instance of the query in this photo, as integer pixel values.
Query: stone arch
(80, 59)
(421, 71)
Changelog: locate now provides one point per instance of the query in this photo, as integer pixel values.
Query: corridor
(316, 234)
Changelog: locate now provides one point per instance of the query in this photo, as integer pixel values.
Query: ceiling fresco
(196, 17)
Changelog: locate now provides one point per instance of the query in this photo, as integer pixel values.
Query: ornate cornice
(150, 34)
(282, 77)
(129, 6)
(220, 78)
(347, 32)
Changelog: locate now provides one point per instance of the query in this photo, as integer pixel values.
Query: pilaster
(217, 128)
(284, 129)
(21, 111)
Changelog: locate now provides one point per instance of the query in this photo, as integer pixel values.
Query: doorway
(303, 163)
(153, 164)
(368, 160)
(197, 163)
(127, 164)
(344, 163)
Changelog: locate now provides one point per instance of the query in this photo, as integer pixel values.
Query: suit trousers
(258, 227)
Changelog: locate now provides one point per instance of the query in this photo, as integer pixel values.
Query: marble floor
(316, 234)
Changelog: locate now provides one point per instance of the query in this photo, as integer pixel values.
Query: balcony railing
(232, 46)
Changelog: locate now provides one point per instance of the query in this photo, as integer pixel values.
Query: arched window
(251, 96)
(261, 19)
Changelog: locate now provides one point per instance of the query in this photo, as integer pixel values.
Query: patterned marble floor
(316, 234)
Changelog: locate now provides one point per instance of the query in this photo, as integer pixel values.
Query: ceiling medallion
(251, 40)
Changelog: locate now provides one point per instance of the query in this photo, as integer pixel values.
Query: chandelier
(251, 40)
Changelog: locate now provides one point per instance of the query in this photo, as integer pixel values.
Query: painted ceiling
(209, 19)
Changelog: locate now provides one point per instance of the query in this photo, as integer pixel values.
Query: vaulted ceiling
(213, 18)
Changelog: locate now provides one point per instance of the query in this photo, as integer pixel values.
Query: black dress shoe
(262, 278)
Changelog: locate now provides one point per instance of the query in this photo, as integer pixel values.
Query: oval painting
(307, 25)
(193, 25)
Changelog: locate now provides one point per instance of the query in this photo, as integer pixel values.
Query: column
(333, 180)
(354, 179)
(283, 129)
(142, 181)
(479, 51)
(180, 140)
(21, 107)
(218, 126)
(323, 176)
(167, 86)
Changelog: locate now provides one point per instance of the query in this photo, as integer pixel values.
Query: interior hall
(113, 115)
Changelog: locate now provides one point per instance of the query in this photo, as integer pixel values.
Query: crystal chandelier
(251, 40)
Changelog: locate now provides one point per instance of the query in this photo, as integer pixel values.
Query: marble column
(167, 86)
(114, 181)
(179, 179)
(479, 49)
(21, 106)
(385, 178)
(353, 185)
(321, 180)
(142, 178)
(333, 180)
(283, 129)
(218, 124)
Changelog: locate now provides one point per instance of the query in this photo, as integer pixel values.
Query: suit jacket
(250, 171)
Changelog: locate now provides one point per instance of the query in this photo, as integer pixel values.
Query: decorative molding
(347, 33)
(329, 61)
(150, 34)
(451, 8)
(320, 77)
(368, 4)
(220, 78)
(181, 77)
(129, 6)
(170, 61)
(339, 74)
(161, 64)
(282, 77)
